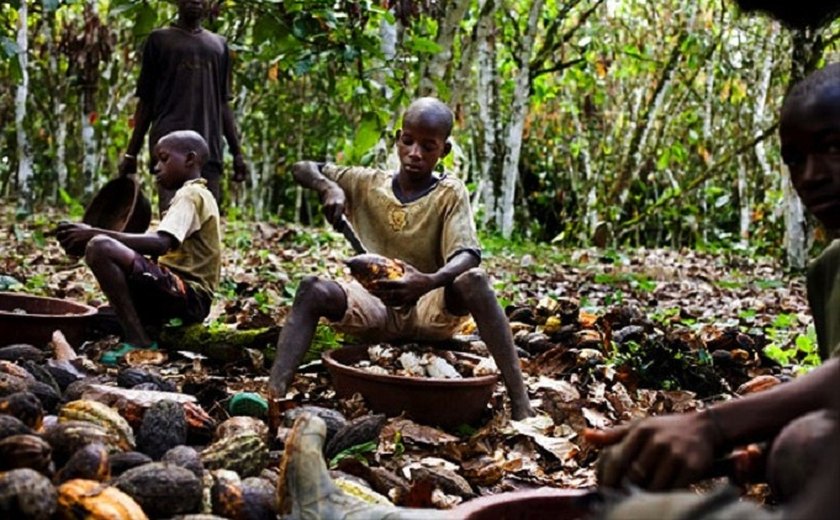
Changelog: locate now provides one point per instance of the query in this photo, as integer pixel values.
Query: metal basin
(442, 402)
(32, 319)
(542, 504)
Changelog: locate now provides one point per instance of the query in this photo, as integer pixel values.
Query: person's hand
(402, 291)
(74, 237)
(240, 168)
(128, 165)
(657, 453)
(333, 200)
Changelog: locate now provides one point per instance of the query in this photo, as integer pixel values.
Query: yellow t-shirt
(424, 233)
(193, 220)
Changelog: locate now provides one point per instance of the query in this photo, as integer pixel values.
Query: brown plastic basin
(442, 402)
(542, 504)
(120, 206)
(40, 317)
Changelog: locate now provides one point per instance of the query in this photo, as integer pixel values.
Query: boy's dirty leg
(314, 298)
(471, 292)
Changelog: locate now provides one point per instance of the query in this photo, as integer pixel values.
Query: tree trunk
(24, 174)
(447, 29)
(759, 119)
(486, 122)
(519, 111)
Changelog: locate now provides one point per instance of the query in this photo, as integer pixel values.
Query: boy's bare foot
(521, 409)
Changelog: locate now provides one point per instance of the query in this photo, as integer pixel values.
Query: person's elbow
(302, 170)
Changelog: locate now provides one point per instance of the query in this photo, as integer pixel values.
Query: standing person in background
(184, 84)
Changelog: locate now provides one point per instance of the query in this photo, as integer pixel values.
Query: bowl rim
(88, 309)
(334, 364)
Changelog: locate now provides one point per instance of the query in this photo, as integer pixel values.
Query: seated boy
(672, 451)
(187, 246)
(421, 219)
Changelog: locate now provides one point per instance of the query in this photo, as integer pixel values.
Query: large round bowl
(442, 402)
(32, 319)
(120, 206)
(543, 504)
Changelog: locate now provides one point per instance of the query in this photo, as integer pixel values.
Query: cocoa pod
(25, 406)
(22, 352)
(370, 268)
(66, 438)
(185, 457)
(102, 415)
(10, 425)
(61, 374)
(10, 384)
(333, 418)
(758, 384)
(242, 424)
(25, 451)
(12, 369)
(131, 377)
(246, 454)
(226, 494)
(89, 463)
(121, 462)
(259, 498)
(357, 431)
(161, 489)
(48, 395)
(91, 500)
(164, 426)
(199, 423)
(26, 494)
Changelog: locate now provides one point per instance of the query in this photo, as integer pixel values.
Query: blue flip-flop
(112, 357)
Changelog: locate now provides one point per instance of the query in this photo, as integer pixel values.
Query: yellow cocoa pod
(370, 268)
(91, 500)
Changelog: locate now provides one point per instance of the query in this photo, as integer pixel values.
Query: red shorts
(160, 295)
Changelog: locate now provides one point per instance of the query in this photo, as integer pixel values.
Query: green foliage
(358, 452)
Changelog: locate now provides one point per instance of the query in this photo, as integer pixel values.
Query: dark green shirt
(824, 298)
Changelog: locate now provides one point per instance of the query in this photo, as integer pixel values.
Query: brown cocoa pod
(48, 395)
(77, 389)
(25, 451)
(25, 406)
(164, 426)
(246, 454)
(101, 415)
(357, 431)
(121, 462)
(332, 418)
(199, 423)
(226, 494)
(161, 489)
(91, 500)
(89, 463)
(13, 369)
(66, 438)
(758, 384)
(10, 384)
(26, 494)
(370, 268)
(10, 425)
(131, 377)
(22, 352)
(185, 457)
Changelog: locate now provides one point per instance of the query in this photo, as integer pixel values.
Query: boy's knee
(98, 248)
(472, 281)
(314, 291)
(797, 452)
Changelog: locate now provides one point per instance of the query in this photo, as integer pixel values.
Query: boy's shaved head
(799, 14)
(429, 112)
(188, 141)
(820, 85)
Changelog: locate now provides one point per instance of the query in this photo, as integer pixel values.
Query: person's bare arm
(675, 450)
(308, 174)
(240, 167)
(142, 121)
(154, 243)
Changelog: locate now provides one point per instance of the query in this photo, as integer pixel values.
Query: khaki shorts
(369, 319)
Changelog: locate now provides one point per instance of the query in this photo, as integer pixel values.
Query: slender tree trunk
(486, 122)
(437, 65)
(745, 211)
(519, 111)
(24, 174)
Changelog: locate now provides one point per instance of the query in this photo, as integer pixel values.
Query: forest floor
(605, 336)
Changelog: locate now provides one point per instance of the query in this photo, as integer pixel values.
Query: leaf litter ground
(604, 337)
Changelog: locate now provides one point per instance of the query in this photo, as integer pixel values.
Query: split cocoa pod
(370, 268)
(93, 500)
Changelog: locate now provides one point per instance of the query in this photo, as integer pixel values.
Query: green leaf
(366, 135)
(145, 20)
(356, 451)
(425, 45)
(266, 29)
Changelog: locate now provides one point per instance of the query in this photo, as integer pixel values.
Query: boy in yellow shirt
(179, 279)
(424, 221)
